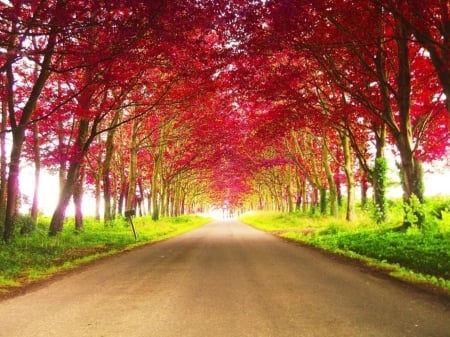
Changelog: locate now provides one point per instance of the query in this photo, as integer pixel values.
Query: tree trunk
(78, 201)
(56, 223)
(380, 181)
(333, 195)
(131, 195)
(18, 127)
(157, 166)
(289, 196)
(3, 163)
(379, 172)
(323, 200)
(98, 182)
(106, 170)
(411, 169)
(122, 196)
(298, 198)
(13, 188)
(154, 190)
(348, 168)
(364, 188)
(62, 170)
(37, 173)
(304, 197)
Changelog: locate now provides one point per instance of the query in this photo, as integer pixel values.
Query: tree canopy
(171, 107)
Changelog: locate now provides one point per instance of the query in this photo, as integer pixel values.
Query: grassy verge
(416, 256)
(37, 256)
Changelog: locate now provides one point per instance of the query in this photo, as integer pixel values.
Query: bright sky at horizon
(435, 184)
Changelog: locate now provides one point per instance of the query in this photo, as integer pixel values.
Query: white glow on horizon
(436, 183)
(48, 194)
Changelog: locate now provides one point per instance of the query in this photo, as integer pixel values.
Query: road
(224, 279)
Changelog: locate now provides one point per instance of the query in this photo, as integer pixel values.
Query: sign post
(129, 215)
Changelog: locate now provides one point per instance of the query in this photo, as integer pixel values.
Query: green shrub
(332, 229)
(438, 206)
(414, 212)
(25, 223)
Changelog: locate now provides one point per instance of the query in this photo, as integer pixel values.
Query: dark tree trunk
(73, 174)
(56, 224)
(12, 189)
(108, 213)
(78, 201)
(411, 169)
(37, 173)
(3, 163)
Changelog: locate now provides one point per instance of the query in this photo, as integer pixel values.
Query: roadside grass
(416, 255)
(37, 256)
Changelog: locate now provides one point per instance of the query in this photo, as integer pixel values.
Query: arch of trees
(170, 106)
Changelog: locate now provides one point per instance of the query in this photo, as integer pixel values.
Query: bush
(26, 224)
(414, 212)
(438, 207)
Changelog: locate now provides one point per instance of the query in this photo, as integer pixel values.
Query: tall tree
(21, 23)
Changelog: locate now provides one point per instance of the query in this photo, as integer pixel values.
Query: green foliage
(380, 179)
(426, 254)
(323, 201)
(439, 207)
(414, 212)
(37, 255)
(26, 224)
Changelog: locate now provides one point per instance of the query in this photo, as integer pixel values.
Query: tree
(362, 55)
(430, 24)
(19, 26)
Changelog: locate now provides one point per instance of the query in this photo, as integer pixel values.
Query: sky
(437, 183)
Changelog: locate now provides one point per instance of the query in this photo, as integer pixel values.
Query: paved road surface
(224, 279)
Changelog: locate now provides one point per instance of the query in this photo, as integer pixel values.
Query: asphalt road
(224, 279)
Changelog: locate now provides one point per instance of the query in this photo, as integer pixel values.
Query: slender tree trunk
(37, 172)
(12, 189)
(289, 196)
(131, 195)
(157, 167)
(304, 197)
(73, 174)
(163, 200)
(379, 172)
(106, 170)
(333, 197)
(56, 224)
(183, 202)
(298, 198)
(140, 200)
(3, 163)
(98, 182)
(323, 200)
(348, 168)
(364, 188)
(154, 191)
(113, 204)
(78, 201)
(62, 170)
(122, 197)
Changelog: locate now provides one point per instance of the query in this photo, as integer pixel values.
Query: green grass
(36, 255)
(414, 255)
